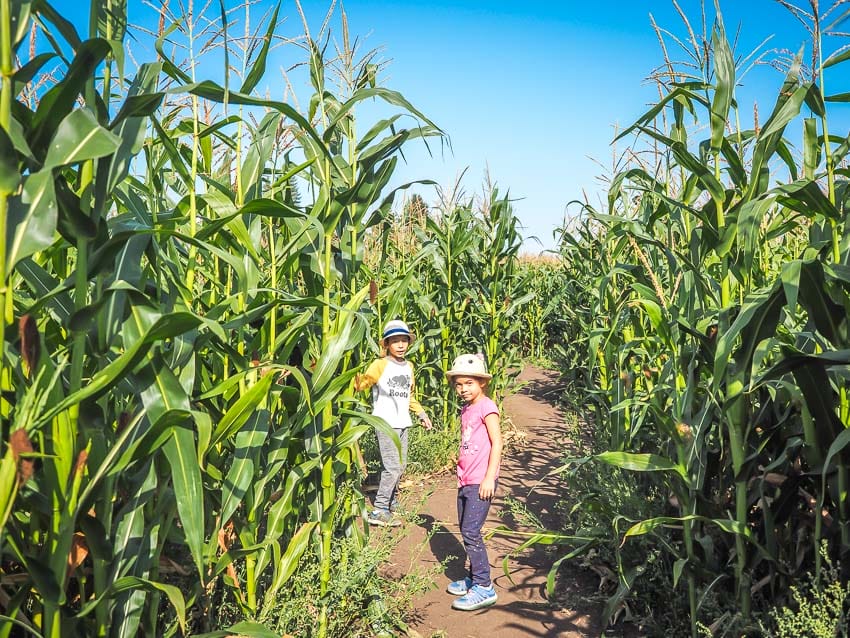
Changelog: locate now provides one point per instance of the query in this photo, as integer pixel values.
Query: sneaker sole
(457, 592)
(379, 523)
(484, 603)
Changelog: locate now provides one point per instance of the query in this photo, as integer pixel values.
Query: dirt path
(522, 608)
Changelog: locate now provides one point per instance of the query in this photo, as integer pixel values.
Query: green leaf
(793, 359)
(130, 583)
(790, 277)
(837, 58)
(836, 447)
(390, 97)
(60, 100)
(212, 91)
(787, 107)
(66, 28)
(756, 321)
(811, 148)
(813, 381)
(131, 121)
(750, 218)
(724, 71)
(32, 218)
(246, 462)
(46, 289)
(259, 67)
(8, 485)
(641, 462)
(239, 413)
(787, 110)
(678, 566)
(10, 177)
(188, 491)
(282, 507)
(78, 138)
(271, 208)
(142, 105)
(350, 330)
(167, 65)
(26, 627)
(112, 19)
(727, 525)
(553, 570)
(286, 564)
(838, 97)
(245, 628)
(19, 20)
(829, 317)
(679, 93)
(807, 198)
(164, 327)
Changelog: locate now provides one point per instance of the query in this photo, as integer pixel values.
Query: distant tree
(414, 210)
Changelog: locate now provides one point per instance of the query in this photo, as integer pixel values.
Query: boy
(391, 380)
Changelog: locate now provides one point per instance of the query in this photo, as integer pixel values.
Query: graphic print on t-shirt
(399, 386)
(465, 437)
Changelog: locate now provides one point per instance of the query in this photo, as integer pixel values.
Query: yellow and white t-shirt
(392, 391)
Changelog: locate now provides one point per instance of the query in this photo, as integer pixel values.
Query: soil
(537, 440)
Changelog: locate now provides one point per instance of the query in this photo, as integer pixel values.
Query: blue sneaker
(459, 587)
(383, 518)
(476, 598)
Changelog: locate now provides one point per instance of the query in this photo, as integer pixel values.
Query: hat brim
(463, 373)
(410, 337)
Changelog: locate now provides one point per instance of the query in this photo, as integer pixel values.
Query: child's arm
(488, 486)
(417, 408)
(370, 377)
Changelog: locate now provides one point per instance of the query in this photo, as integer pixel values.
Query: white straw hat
(394, 328)
(469, 365)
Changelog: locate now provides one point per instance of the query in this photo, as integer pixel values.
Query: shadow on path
(523, 608)
(446, 547)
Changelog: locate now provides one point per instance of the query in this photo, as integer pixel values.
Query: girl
(391, 380)
(477, 477)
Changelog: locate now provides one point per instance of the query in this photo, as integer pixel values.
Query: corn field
(707, 303)
(192, 273)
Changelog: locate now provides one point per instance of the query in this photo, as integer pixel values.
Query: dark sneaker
(476, 598)
(459, 587)
(383, 518)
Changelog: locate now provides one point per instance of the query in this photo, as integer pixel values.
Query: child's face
(469, 388)
(397, 346)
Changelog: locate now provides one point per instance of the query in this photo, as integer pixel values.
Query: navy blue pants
(471, 514)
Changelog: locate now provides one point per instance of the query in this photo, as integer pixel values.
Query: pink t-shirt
(474, 442)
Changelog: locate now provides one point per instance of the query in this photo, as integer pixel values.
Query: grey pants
(393, 466)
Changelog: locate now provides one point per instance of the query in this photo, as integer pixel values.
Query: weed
(363, 602)
(819, 610)
(520, 512)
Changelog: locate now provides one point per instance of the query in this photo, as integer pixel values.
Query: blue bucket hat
(394, 328)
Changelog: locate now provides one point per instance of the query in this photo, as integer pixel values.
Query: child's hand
(426, 422)
(487, 489)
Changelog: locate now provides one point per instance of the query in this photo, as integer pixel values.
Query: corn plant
(176, 386)
(716, 330)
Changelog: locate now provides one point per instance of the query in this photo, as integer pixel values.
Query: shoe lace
(478, 593)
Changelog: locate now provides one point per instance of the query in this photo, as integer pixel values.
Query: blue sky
(532, 91)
